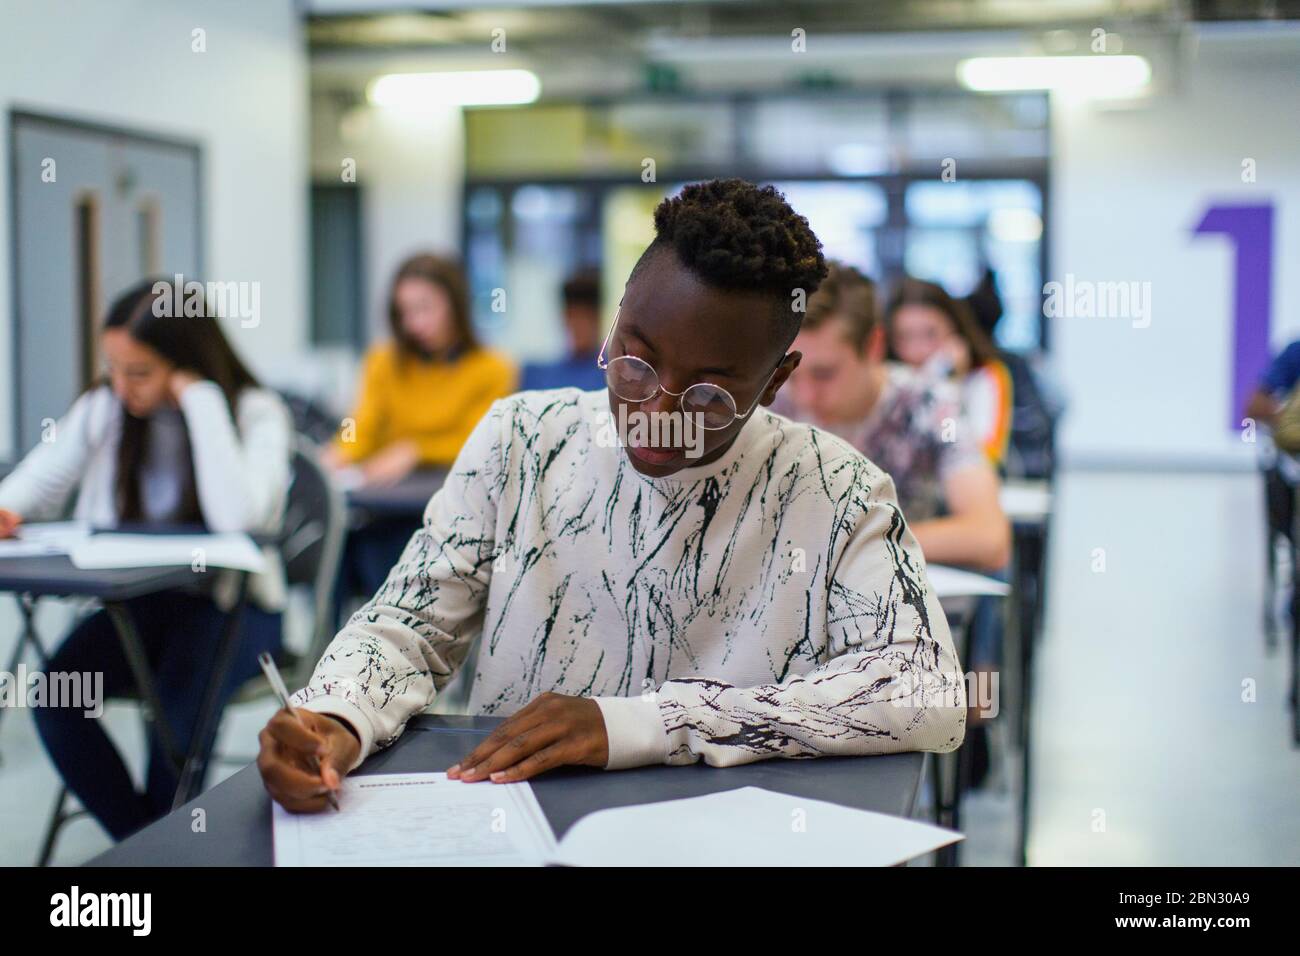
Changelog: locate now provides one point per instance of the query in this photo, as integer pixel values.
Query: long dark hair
(191, 342)
(448, 276)
(917, 292)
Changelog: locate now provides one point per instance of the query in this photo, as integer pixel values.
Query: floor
(1161, 726)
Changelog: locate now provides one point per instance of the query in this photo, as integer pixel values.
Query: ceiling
(549, 27)
(615, 47)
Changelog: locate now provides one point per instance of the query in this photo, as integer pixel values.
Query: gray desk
(238, 810)
(31, 578)
(406, 499)
(55, 575)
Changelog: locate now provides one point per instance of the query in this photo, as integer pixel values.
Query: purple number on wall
(1250, 227)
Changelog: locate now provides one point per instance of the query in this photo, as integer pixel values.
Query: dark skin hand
(303, 756)
(554, 730)
(1262, 407)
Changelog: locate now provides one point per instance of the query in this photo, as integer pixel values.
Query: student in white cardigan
(178, 433)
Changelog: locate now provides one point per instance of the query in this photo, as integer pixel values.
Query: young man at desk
(752, 593)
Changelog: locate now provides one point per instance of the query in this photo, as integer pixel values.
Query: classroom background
(1140, 216)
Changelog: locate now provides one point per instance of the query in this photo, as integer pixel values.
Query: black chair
(310, 542)
(1279, 517)
(315, 523)
(1294, 697)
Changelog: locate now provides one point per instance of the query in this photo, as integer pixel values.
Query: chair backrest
(311, 540)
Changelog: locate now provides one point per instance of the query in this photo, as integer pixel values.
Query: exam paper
(44, 537)
(748, 826)
(227, 550)
(418, 819)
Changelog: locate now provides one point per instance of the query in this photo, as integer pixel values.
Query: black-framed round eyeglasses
(635, 380)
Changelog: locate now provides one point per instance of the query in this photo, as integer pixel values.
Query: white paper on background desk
(953, 582)
(44, 537)
(749, 826)
(350, 478)
(418, 819)
(226, 550)
(1025, 501)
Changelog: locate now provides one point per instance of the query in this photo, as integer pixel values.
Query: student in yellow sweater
(421, 395)
(423, 391)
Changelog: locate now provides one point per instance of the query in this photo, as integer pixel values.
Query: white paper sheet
(228, 550)
(749, 826)
(350, 478)
(1026, 501)
(954, 582)
(44, 537)
(418, 819)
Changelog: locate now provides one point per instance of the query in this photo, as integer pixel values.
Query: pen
(277, 684)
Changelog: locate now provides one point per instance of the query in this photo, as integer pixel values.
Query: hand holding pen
(294, 737)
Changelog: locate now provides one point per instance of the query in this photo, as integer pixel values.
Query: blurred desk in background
(1028, 505)
(406, 499)
(1026, 502)
(958, 591)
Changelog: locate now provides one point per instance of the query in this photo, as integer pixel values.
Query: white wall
(130, 63)
(411, 169)
(1128, 187)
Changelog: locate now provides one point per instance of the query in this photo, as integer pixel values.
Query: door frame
(67, 123)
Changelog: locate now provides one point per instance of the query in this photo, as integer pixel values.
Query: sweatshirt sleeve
(241, 472)
(892, 682)
(398, 651)
(38, 489)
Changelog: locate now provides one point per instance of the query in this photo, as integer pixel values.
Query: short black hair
(733, 234)
(582, 288)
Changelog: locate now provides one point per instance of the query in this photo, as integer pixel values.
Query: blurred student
(911, 425)
(423, 390)
(639, 598)
(929, 330)
(1276, 385)
(582, 331)
(179, 433)
(1032, 445)
(420, 396)
(1280, 466)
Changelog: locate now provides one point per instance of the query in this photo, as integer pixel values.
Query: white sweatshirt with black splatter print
(772, 603)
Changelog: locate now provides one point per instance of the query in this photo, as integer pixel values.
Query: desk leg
(1016, 666)
(27, 607)
(144, 682)
(1031, 577)
(191, 775)
(28, 635)
(1295, 620)
(952, 770)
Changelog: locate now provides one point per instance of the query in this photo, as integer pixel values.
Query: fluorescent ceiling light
(1097, 76)
(467, 88)
(858, 159)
